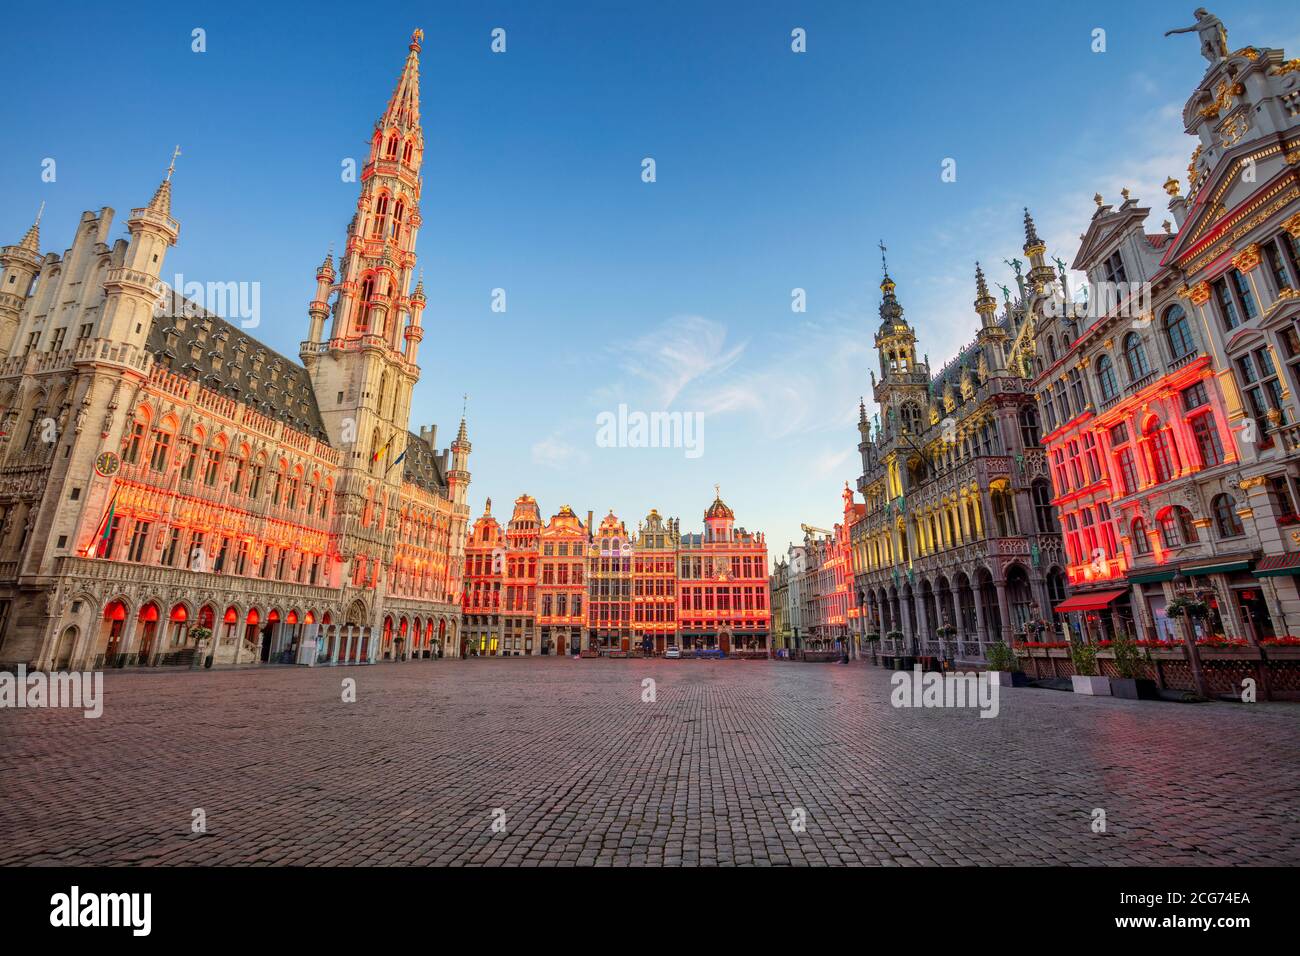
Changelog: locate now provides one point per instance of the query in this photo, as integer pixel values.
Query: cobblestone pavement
(712, 772)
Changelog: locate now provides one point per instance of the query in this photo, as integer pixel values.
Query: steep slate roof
(226, 362)
(422, 466)
(234, 364)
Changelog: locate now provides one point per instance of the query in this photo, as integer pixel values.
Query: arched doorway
(111, 633)
(148, 622)
(63, 650)
(268, 640)
(178, 626)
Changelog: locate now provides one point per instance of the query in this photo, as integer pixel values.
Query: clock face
(107, 464)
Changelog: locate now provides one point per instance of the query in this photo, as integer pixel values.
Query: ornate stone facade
(162, 470)
(950, 536)
(1169, 403)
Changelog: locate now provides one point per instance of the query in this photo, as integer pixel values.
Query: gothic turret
(132, 290)
(1040, 273)
(21, 265)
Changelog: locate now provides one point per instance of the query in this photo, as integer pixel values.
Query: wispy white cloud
(556, 453)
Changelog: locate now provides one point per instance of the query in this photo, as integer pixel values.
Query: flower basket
(1187, 607)
(1281, 652)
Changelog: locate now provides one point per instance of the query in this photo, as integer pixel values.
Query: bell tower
(362, 362)
(903, 390)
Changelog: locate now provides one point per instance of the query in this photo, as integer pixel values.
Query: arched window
(408, 152)
(1141, 543)
(1160, 449)
(363, 307)
(1029, 426)
(1106, 381)
(399, 211)
(911, 415)
(392, 147)
(1179, 332)
(381, 215)
(1051, 349)
(1043, 510)
(1176, 528)
(1225, 517)
(1136, 357)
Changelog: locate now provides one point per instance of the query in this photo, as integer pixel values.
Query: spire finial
(884, 266)
(172, 167)
(1031, 231)
(32, 241)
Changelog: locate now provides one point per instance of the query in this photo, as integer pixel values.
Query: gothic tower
(363, 368)
(364, 372)
(902, 392)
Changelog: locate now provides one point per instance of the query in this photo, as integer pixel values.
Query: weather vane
(172, 168)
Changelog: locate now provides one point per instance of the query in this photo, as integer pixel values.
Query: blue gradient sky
(775, 171)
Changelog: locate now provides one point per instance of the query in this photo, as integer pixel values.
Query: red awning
(1089, 602)
(1278, 564)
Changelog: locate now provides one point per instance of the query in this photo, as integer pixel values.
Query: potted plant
(873, 639)
(895, 659)
(1002, 664)
(199, 635)
(1085, 679)
(1132, 684)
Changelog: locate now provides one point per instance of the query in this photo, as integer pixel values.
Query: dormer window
(1113, 269)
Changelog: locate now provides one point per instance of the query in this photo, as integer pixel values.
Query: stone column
(1004, 609)
(981, 626)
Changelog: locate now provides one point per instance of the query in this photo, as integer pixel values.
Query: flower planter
(1177, 653)
(1019, 679)
(1134, 688)
(1059, 652)
(1281, 652)
(1094, 686)
(1227, 653)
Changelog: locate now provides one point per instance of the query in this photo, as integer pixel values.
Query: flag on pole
(106, 526)
(395, 462)
(379, 453)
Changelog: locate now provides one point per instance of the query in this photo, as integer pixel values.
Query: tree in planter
(1128, 660)
(1001, 658)
(201, 634)
(896, 639)
(1084, 658)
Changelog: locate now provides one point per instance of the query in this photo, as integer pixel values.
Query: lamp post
(1186, 591)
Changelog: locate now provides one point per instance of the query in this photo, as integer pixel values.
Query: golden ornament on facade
(1200, 293)
(1248, 258)
(1290, 66)
(1172, 186)
(1292, 226)
(1224, 94)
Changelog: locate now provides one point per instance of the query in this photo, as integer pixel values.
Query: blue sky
(775, 170)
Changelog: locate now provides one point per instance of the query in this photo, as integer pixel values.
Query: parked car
(673, 653)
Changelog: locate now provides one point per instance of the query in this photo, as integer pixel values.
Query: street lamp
(1188, 593)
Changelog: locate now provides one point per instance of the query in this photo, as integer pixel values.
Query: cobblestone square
(580, 770)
